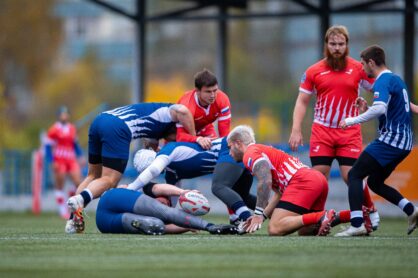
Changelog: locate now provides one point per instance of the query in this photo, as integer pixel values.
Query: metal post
(222, 48)
(324, 15)
(409, 55)
(140, 53)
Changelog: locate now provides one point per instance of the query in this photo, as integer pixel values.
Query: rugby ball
(193, 202)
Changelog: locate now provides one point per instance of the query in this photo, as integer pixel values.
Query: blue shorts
(109, 137)
(385, 153)
(112, 205)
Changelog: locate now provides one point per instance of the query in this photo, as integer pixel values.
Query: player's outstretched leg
(134, 224)
(148, 206)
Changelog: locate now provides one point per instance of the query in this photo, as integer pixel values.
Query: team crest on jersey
(303, 78)
(376, 95)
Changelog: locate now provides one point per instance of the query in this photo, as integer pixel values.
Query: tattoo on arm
(262, 172)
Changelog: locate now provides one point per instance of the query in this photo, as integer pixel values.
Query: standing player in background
(391, 106)
(335, 81)
(300, 192)
(207, 104)
(62, 149)
(110, 136)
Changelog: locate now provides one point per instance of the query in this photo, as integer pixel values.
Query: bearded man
(335, 81)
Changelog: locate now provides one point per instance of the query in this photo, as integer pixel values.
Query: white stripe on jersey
(335, 121)
(162, 115)
(224, 117)
(181, 153)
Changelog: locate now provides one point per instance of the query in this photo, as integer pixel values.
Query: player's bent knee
(275, 230)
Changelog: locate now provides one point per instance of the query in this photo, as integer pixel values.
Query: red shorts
(333, 142)
(64, 166)
(308, 188)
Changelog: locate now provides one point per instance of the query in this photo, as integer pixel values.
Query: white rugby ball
(194, 202)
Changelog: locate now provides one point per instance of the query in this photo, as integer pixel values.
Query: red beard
(336, 63)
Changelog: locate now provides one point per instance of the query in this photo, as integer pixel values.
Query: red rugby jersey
(336, 91)
(204, 116)
(282, 165)
(63, 137)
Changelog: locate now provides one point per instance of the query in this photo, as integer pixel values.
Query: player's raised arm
(296, 138)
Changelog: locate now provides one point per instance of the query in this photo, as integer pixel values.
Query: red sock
(312, 218)
(230, 211)
(344, 216)
(367, 199)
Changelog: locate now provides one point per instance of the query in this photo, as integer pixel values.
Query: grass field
(37, 247)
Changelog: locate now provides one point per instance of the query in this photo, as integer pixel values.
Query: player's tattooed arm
(262, 172)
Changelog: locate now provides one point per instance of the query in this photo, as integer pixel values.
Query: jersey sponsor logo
(376, 95)
(303, 78)
(325, 72)
(355, 150)
(316, 149)
(350, 71)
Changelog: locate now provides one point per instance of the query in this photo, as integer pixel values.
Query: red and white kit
(204, 117)
(336, 93)
(298, 184)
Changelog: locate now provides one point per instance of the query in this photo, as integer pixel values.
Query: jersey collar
(207, 109)
(383, 72)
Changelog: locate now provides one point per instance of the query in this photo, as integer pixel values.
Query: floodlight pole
(140, 65)
(324, 17)
(222, 49)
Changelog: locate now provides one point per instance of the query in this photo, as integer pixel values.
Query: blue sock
(408, 209)
(241, 210)
(356, 221)
(86, 197)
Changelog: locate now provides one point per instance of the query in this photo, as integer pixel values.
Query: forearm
(166, 190)
(374, 111)
(155, 169)
(299, 111)
(274, 200)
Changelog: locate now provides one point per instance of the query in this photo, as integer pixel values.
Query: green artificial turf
(36, 246)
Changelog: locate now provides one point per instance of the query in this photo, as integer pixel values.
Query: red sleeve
(224, 119)
(366, 82)
(306, 83)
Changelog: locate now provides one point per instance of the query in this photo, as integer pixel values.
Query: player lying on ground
(300, 192)
(184, 160)
(110, 136)
(126, 211)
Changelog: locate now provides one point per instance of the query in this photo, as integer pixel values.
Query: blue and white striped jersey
(395, 125)
(145, 120)
(189, 160)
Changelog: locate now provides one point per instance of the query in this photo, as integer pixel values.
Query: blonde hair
(337, 29)
(243, 133)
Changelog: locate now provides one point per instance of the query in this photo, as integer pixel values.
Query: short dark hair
(375, 53)
(204, 78)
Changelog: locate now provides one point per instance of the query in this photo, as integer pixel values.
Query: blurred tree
(167, 90)
(81, 87)
(29, 39)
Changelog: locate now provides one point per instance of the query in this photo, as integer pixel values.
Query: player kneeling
(125, 211)
(300, 192)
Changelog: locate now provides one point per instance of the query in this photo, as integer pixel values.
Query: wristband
(260, 211)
